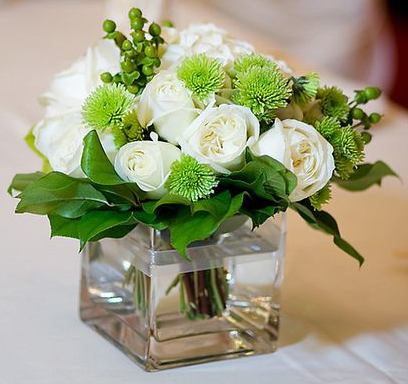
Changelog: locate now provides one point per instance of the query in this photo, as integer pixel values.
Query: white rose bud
(147, 163)
(219, 136)
(302, 150)
(166, 103)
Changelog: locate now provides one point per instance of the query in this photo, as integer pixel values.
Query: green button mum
(190, 179)
(263, 90)
(107, 106)
(202, 75)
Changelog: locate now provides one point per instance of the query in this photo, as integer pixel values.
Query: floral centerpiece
(183, 131)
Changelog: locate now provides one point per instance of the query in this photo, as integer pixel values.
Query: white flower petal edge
(219, 136)
(208, 39)
(59, 136)
(147, 163)
(166, 103)
(70, 88)
(303, 151)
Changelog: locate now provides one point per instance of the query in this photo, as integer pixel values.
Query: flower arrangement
(182, 130)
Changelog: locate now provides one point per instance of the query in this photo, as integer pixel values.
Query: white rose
(60, 140)
(147, 163)
(302, 150)
(166, 103)
(219, 136)
(70, 88)
(208, 39)
(59, 136)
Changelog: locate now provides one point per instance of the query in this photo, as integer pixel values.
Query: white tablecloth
(340, 324)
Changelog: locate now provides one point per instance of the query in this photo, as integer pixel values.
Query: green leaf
(60, 226)
(262, 177)
(152, 206)
(57, 193)
(96, 164)
(98, 224)
(324, 222)
(187, 226)
(260, 215)
(30, 141)
(217, 205)
(365, 176)
(22, 180)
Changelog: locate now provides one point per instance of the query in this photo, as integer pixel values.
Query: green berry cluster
(139, 54)
(363, 97)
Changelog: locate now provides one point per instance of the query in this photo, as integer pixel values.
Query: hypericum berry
(128, 66)
(134, 13)
(109, 26)
(375, 118)
(372, 93)
(150, 51)
(137, 24)
(126, 45)
(134, 89)
(360, 97)
(147, 70)
(168, 24)
(106, 77)
(357, 113)
(138, 36)
(155, 29)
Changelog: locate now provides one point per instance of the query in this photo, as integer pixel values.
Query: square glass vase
(164, 311)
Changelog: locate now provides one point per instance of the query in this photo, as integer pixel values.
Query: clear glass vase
(164, 311)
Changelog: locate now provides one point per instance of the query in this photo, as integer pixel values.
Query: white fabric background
(340, 324)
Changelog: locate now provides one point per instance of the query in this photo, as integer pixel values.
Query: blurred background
(362, 40)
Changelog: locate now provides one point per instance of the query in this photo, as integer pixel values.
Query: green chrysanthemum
(202, 75)
(106, 106)
(333, 103)
(348, 151)
(132, 128)
(344, 167)
(321, 197)
(190, 179)
(245, 62)
(263, 90)
(305, 88)
(328, 127)
(350, 144)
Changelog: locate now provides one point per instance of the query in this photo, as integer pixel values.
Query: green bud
(154, 29)
(168, 24)
(134, 13)
(366, 137)
(139, 47)
(360, 97)
(375, 118)
(372, 93)
(150, 51)
(147, 70)
(126, 45)
(137, 24)
(109, 26)
(106, 77)
(357, 113)
(128, 66)
(138, 36)
(134, 88)
(157, 62)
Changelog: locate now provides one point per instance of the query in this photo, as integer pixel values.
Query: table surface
(340, 324)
